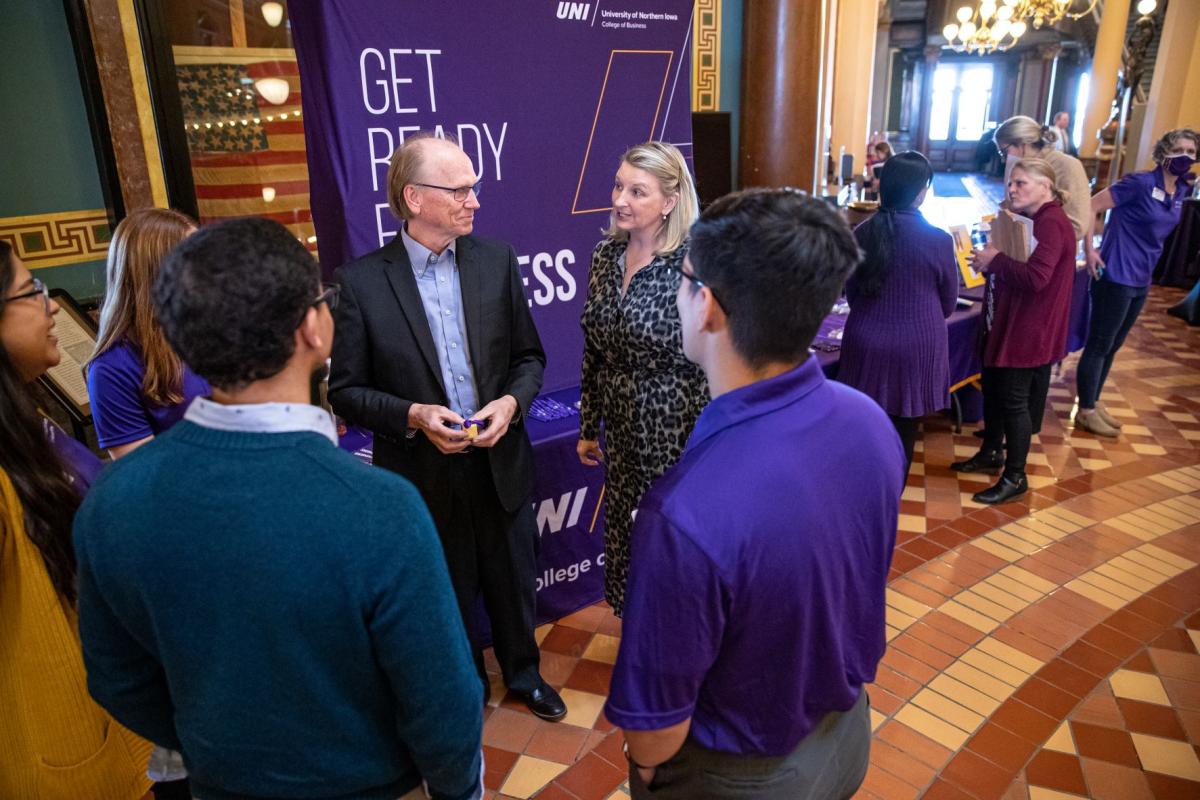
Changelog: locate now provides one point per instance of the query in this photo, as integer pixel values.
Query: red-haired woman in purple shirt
(1146, 208)
(1029, 308)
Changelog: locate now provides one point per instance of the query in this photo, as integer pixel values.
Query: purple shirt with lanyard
(1143, 216)
(756, 591)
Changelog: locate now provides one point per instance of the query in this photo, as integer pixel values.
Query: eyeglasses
(38, 288)
(460, 193)
(329, 296)
(699, 283)
(1003, 148)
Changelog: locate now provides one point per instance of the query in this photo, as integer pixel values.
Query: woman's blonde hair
(666, 164)
(1020, 130)
(138, 246)
(1041, 168)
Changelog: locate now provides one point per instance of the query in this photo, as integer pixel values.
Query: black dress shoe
(1004, 490)
(544, 702)
(983, 461)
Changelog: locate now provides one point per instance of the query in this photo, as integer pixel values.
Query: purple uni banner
(543, 95)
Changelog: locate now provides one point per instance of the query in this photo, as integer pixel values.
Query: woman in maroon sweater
(1029, 307)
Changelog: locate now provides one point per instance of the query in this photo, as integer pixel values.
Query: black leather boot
(1007, 488)
(983, 461)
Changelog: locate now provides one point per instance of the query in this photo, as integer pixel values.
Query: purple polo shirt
(121, 412)
(1139, 225)
(756, 590)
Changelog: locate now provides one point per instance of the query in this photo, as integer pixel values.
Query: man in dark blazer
(434, 333)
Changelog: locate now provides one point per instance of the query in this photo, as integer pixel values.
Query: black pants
(828, 764)
(1114, 310)
(1009, 400)
(490, 551)
(907, 428)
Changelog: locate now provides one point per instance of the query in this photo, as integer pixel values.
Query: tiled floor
(1043, 649)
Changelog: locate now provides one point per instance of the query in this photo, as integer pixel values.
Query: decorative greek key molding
(51, 240)
(706, 56)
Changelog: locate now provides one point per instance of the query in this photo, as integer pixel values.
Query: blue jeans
(1115, 308)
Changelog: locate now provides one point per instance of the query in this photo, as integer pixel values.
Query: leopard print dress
(637, 382)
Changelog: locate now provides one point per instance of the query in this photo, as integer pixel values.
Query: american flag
(247, 154)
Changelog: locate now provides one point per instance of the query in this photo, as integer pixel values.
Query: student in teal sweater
(251, 595)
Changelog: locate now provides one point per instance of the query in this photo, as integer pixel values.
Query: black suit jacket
(384, 361)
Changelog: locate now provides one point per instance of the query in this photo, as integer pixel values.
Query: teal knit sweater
(280, 613)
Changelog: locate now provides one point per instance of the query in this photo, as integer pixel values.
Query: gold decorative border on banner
(51, 240)
(706, 56)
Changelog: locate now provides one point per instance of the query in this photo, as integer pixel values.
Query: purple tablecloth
(963, 336)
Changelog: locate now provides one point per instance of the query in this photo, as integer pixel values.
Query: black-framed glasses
(700, 284)
(38, 288)
(330, 292)
(459, 194)
(1004, 148)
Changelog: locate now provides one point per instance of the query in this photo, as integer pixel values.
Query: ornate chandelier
(989, 28)
(1049, 12)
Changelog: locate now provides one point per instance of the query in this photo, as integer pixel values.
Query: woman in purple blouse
(137, 385)
(894, 347)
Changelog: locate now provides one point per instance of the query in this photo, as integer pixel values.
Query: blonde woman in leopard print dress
(637, 383)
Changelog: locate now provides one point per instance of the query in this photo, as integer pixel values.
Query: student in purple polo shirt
(1146, 207)
(138, 386)
(755, 610)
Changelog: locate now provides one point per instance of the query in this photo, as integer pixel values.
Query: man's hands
(434, 420)
(498, 415)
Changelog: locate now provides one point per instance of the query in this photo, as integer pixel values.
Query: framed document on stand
(76, 334)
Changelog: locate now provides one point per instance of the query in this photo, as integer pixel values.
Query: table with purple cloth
(568, 497)
(963, 336)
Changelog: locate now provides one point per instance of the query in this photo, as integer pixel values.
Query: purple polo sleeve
(115, 390)
(675, 611)
(1128, 188)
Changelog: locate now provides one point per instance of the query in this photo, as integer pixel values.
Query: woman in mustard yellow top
(55, 742)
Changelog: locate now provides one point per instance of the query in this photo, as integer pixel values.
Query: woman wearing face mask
(55, 742)
(1146, 207)
(1029, 310)
(635, 378)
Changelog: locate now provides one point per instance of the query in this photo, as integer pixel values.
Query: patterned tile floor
(1044, 649)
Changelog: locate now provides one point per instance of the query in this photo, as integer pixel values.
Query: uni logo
(554, 515)
(577, 11)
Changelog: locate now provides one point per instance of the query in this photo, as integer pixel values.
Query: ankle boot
(1007, 488)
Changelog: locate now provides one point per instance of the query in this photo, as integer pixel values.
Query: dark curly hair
(230, 297)
(1166, 143)
(775, 260)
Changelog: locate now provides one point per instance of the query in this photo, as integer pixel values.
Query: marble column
(1106, 61)
(782, 124)
(932, 54)
(852, 78)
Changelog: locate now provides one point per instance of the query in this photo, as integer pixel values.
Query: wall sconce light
(268, 193)
(1147, 7)
(274, 90)
(273, 13)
